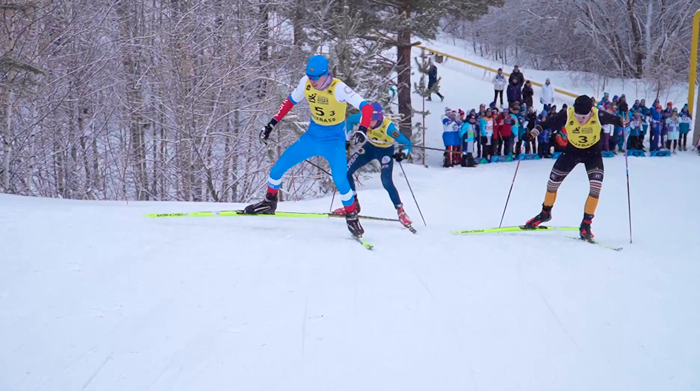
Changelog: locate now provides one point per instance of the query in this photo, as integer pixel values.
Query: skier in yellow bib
(379, 145)
(579, 128)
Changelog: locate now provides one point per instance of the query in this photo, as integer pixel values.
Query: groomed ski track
(94, 296)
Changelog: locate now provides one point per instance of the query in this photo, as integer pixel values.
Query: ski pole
(414, 196)
(629, 204)
(422, 147)
(509, 191)
(332, 199)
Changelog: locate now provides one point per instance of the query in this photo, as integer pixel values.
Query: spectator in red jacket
(510, 120)
(497, 140)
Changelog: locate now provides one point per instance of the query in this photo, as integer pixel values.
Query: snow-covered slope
(93, 296)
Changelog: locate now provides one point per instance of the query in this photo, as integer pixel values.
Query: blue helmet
(317, 66)
(378, 114)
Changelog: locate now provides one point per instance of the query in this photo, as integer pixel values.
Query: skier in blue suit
(328, 98)
(382, 134)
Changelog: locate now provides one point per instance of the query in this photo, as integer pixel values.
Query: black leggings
(496, 93)
(568, 160)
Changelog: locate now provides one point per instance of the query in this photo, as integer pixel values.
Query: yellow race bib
(325, 109)
(586, 135)
(378, 136)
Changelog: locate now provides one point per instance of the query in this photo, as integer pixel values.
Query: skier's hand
(536, 131)
(400, 156)
(360, 136)
(265, 132)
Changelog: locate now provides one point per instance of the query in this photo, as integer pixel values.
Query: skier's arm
(557, 121)
(289, 102)
(352, 120)
(343, 93)
(295, 97)
(391, 131)
(606, 118)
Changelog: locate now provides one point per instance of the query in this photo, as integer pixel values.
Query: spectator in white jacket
(547, 95)
(499, 84)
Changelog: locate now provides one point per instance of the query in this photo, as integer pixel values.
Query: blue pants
(366, 154)
(655, 140)
(325, 141)
(451, 139)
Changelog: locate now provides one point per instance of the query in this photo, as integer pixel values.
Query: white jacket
(499, 82)
(547, 94)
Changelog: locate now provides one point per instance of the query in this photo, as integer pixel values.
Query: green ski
(363, 242)
(520, 228)
(593, 241)
(228, 213)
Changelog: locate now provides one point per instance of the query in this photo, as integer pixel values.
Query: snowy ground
(93, 296)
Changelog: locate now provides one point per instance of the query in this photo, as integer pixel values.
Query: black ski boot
(268, 206)
(354, 224)
(470, 160)
(585, 229)
(542, 217)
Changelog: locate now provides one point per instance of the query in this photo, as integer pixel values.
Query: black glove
(360, 136)
(265, 132)
(399, 156)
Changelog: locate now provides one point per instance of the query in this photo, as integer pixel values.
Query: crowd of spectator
(494, 131)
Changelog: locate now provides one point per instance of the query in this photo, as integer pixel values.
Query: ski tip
(362, 241)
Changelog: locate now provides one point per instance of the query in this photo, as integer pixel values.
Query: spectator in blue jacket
(686, 120)
(666, 114)
(513, 92)
(450, 136)
(467, 134)
(543, 147)
(623, 133)
(644, 109)
(635, 140)
(655, 132)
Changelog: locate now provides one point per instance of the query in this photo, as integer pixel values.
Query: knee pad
(555, 179)
(595, 180)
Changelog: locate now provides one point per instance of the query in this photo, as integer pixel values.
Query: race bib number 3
(583, 140)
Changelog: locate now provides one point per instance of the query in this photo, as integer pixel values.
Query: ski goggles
(316, 77)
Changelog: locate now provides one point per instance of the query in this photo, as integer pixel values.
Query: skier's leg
(387, 167)
(562, 167)
(357, 160)
(301, 150)
(595, 171)
(334, 152)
